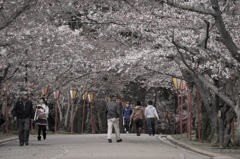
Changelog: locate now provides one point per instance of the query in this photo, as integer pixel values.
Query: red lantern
(56, 94)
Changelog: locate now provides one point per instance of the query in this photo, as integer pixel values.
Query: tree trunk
(100, 123)
(220, 132)
(226, 135)
(206, 99)
(237, 138)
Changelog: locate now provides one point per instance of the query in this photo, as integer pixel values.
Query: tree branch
(206, 34)
(217, 92)
(197, 9)
(182, 57)
(14, 15)
(226, 38)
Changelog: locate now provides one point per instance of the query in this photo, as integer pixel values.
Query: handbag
(136, 118)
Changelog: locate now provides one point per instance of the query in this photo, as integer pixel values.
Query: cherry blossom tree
(88, 43)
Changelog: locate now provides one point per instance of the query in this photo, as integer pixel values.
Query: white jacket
(41, 113)
(151, 112)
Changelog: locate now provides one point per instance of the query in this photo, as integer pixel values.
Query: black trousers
(43, 129)
(139, 124)
(127, 124)
(23, 130)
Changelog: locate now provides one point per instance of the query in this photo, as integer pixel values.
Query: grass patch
(3, 135)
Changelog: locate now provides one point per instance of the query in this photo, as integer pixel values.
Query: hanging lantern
(175, 82)
(56, 94)
(181, 85)
(85, 96)
(73, 93)
(90, 97)
(108, 99)
(186, 87)
(45, 90)
(166, 114)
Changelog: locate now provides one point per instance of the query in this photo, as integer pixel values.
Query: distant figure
(138, 111)
(151, 115)
(113, 112)
(126, 113)
(23, 114)
(41, 116)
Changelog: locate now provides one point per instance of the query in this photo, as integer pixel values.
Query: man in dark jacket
(23, 114)
(127, 112)
(113, 112)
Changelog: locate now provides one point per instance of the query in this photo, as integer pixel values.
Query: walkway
(95, 146)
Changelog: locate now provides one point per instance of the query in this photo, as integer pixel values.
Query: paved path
(95, 146)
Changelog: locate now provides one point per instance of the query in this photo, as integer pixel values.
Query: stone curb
(195, 149)
(8, 139)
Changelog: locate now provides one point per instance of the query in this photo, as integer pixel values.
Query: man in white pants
(113, 112)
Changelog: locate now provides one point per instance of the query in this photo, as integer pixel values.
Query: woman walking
(138, 117)
(41, 115)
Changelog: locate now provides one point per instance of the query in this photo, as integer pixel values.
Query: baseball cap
(112, 95)
(24, 93)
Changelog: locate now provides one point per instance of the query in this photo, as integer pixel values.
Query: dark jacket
(22, 111)
(126, 112)
(112, 110)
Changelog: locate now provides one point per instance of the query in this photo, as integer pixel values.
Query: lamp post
(56, 95)
(90, 99)
(6, 90)
(181, 103)
(198, 107)
(189, 107)
(85, 95)
(73, 94)
(180, 99)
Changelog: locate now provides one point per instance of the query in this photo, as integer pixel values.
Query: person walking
(151, 115)
(40, 117)
(126, 113)
(23, 114)
(113, 112)
(138, 117)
